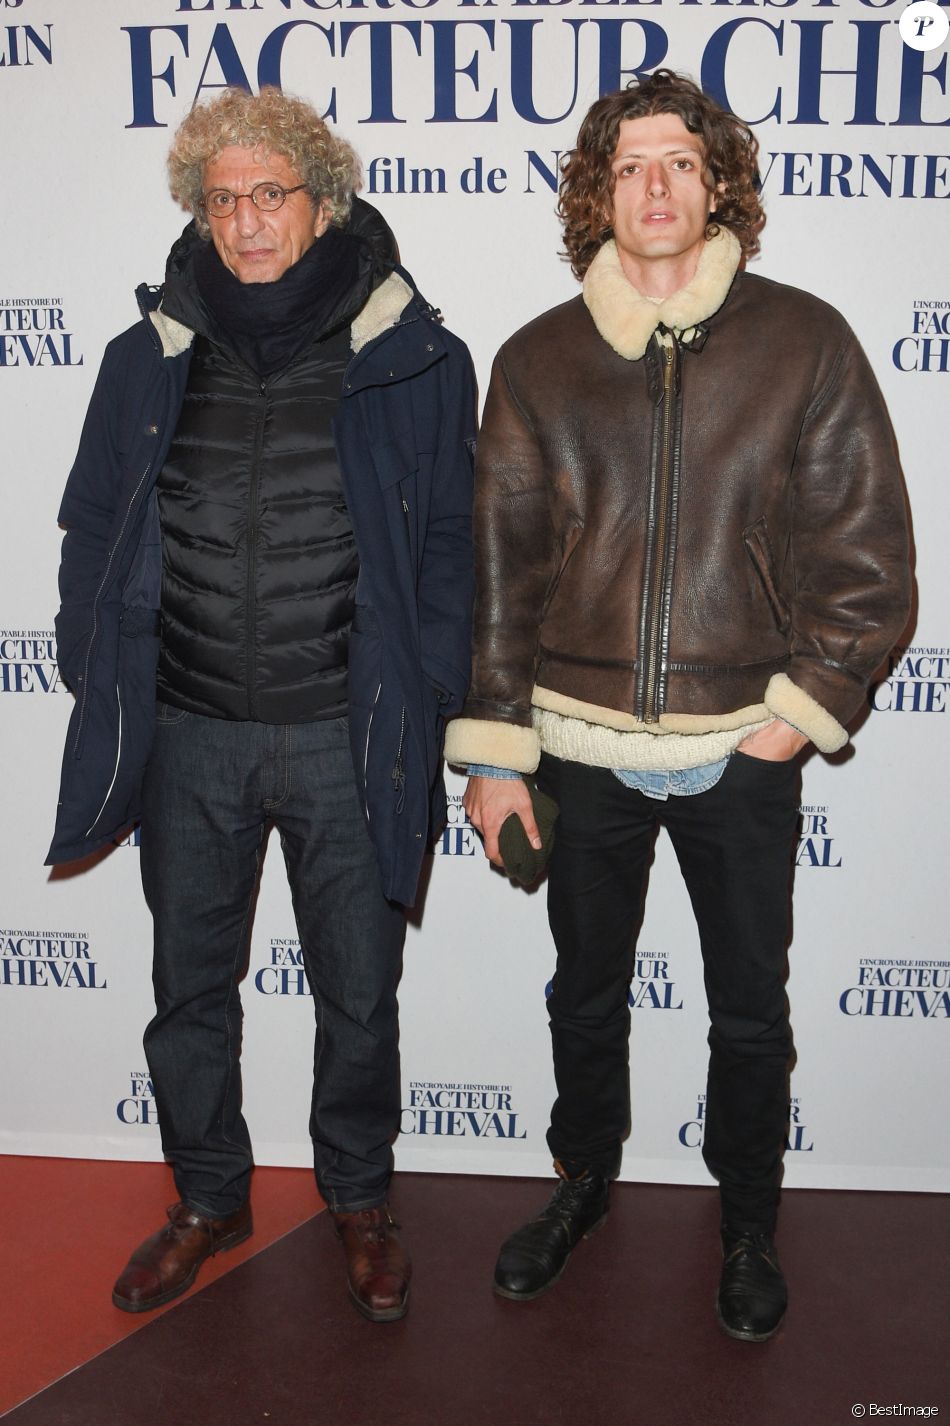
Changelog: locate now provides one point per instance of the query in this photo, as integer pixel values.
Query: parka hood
(182, 312)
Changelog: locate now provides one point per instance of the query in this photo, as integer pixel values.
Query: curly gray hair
(275, 122)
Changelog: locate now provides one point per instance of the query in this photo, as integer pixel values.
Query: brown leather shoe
(167, 1263)
(377, 1266)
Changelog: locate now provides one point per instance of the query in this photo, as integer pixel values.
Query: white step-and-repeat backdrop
(460, 109)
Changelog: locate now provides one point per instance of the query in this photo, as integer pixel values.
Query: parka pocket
(126, 715)
(756, 540)
(365, 688)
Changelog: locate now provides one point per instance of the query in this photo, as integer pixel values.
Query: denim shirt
(682, 782)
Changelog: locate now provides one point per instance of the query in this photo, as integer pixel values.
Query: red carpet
(627, 1338)
(70, 1225)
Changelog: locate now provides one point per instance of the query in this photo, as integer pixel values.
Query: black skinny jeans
(734, 845)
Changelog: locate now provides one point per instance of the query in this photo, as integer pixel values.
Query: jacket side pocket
(756, 540)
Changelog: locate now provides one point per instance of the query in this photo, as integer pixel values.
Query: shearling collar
(382, 310)
(174, 336)
(627, 320)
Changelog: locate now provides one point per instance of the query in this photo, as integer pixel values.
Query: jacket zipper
(250, 661)
(649, 711)
(95, 612)
(399, 772)
(115, 771)
(405, 511)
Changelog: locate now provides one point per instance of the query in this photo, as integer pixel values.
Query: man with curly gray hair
(266, 591)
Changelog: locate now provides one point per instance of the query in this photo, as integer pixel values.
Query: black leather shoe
(533, 1259)
(752, 1293)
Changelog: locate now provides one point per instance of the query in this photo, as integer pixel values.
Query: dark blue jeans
(212, 788)
(734, 843)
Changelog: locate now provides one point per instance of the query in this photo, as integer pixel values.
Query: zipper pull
(399, 782)
(669, 368)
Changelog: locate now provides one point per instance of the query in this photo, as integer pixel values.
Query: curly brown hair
(585, 195)
(279, 124)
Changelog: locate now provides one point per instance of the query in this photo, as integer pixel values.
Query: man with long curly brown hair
(266, 609)
(690, 557)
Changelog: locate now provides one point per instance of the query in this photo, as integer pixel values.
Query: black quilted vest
(259, 560)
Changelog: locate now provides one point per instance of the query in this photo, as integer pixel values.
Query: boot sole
(125, 1305)
(740, 1336)
(380, 1314)
(513, 1296)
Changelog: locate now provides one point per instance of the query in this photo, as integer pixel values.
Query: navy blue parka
(404, 429)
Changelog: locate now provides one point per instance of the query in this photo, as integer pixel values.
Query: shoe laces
(374, 1225)
(181, 1218)
(573, 1194)
(751, 1242)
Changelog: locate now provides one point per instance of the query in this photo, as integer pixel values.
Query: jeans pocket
(166, 713)
(767, 772)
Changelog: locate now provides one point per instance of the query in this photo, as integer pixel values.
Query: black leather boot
(752, 1293)
(533, 1259)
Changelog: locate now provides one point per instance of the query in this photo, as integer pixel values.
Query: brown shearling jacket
(686, 537)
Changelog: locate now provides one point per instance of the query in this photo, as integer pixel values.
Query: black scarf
(269, 323)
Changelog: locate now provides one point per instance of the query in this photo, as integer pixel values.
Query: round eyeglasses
(267, 197)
